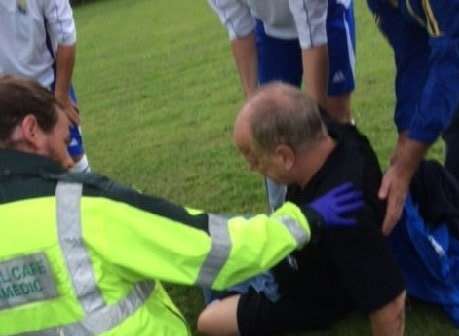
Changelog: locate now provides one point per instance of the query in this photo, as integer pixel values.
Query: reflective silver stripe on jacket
(295, 229)
(103, 319)
(99, 317)
(219, 252)
(221, 245)
(68, 197)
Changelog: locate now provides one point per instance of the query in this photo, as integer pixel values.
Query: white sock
(81, 166)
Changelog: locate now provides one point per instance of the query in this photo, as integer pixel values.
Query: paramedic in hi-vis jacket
(82, 255)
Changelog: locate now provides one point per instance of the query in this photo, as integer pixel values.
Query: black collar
(14, 162)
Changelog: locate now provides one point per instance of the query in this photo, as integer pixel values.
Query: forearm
(408, 155)
(245, 57)
(315, 73)
(390, 319)
(65, 60)
(260, 242)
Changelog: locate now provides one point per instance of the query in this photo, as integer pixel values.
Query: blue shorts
(76, 147)
(280, 59)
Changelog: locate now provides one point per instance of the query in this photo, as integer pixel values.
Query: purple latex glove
(335, 206)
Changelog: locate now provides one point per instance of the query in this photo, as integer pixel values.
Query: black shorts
(257, 315)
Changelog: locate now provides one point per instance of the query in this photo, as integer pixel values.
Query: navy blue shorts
(280, 59)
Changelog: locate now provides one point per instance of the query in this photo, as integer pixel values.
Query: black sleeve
(365, 267)
(361, 255)
(351, 266)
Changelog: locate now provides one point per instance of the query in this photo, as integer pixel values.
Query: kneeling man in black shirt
(281, 134)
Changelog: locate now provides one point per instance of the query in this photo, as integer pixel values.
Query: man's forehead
(243, 137)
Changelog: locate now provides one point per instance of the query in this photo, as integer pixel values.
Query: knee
(394, 312)
(205, 325)
(390, 319)
(219, 318)
(399, 303)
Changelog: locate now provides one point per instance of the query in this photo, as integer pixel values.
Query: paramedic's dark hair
(20, 97)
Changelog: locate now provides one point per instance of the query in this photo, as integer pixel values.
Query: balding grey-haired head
(282, 114)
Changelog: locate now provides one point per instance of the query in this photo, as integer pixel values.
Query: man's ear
(31, 131)
(286, 155)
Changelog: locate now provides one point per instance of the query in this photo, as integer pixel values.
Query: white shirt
(23, 28)
(284, 19)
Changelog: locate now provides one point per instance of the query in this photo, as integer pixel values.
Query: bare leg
(220, 318)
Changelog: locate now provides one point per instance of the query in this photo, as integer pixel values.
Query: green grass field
(158, 93)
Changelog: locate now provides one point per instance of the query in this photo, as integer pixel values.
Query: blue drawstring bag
(429, 260)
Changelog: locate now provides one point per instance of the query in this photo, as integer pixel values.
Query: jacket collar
(14, 162)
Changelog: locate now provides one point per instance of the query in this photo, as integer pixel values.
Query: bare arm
(396, 181)
(437, 103)
(390, 319)
(245, 57)
(65, 60)
(235, 15)
(62, 32)
(315, 73)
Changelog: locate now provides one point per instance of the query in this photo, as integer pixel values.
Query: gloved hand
(335, 206)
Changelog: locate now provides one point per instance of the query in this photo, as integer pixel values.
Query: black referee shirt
(348, 268)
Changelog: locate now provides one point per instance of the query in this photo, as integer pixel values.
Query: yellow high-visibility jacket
(82, 255)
